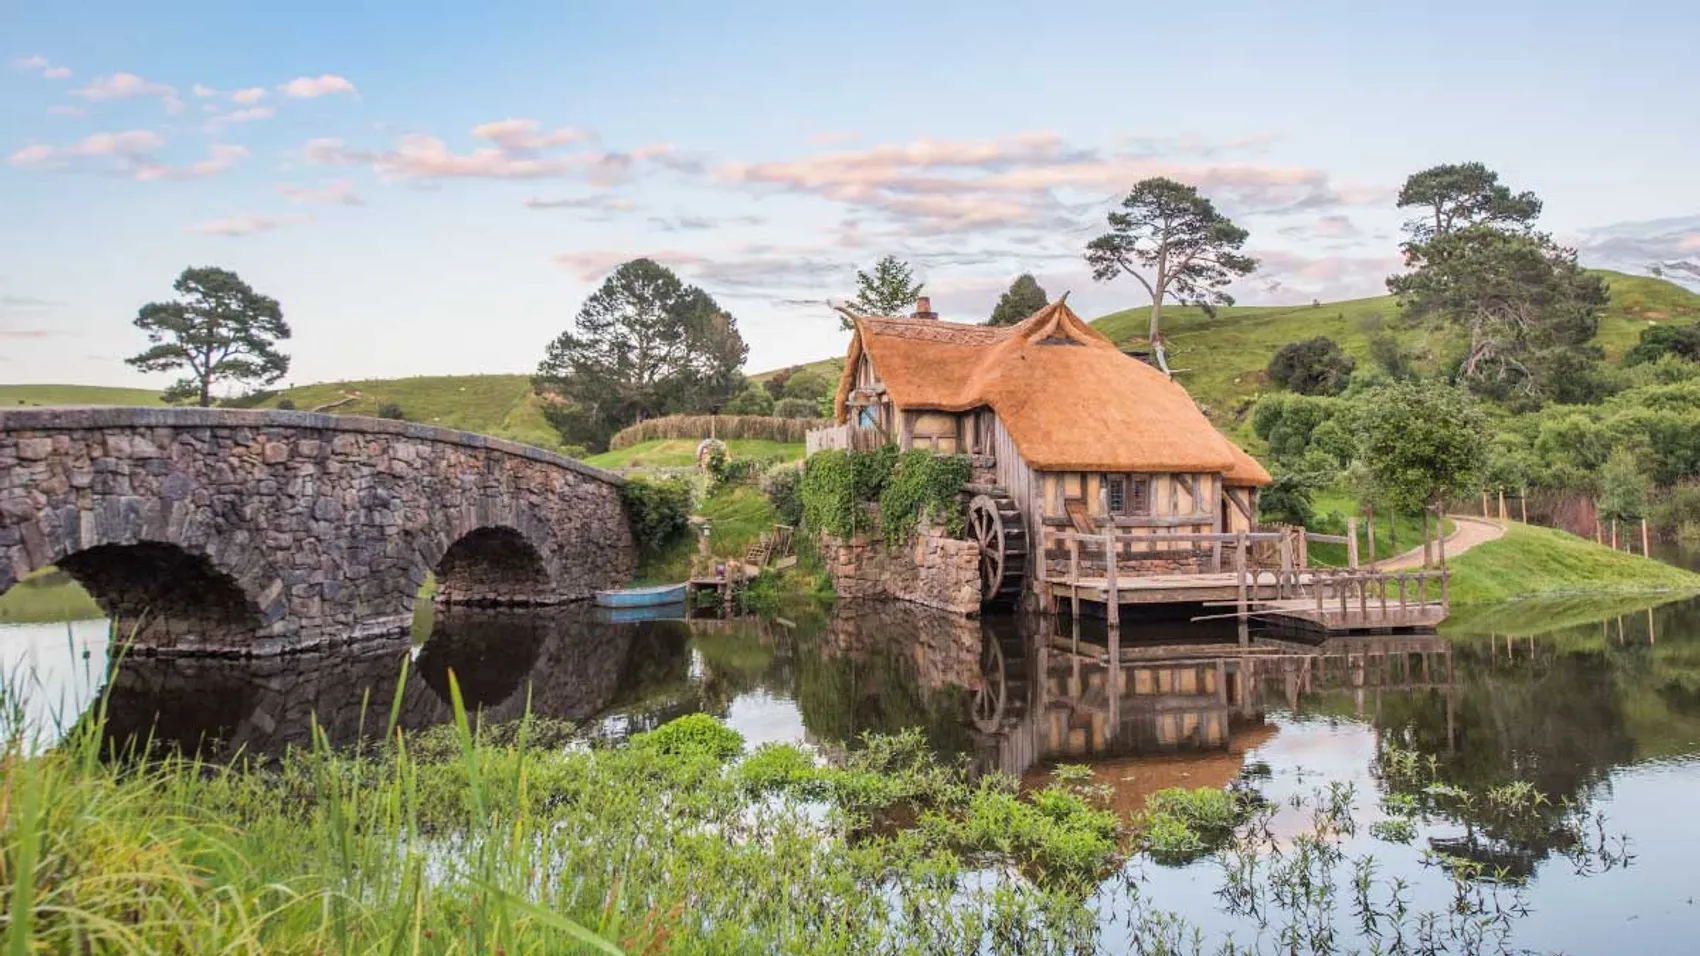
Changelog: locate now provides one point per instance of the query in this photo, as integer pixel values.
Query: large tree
(890, 289)
(644, 344)
(1420, 443)
(1024, 297)
(1176, 244)
(219, 330)
(1475, 260)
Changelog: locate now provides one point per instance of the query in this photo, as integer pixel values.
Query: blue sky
(433, 192)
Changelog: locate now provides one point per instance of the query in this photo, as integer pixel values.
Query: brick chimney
(924, 309)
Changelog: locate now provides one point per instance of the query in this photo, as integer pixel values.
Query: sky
(436, 188)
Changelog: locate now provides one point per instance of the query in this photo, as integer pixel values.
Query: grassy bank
(47, 597)
(1530, 561)
(737, 516)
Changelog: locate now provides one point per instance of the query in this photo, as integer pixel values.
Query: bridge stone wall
(258, 532)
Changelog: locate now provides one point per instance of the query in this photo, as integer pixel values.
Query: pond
(1597, 706)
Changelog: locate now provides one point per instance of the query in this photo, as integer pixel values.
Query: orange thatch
(1246, 472)
(1068, 397)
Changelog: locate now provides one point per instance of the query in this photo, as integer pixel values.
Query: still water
(1597, 705)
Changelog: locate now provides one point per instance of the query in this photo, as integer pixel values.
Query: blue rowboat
(654, 612)
(642, 597)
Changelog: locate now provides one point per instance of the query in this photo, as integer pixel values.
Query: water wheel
(994, 522)
(1000, 700)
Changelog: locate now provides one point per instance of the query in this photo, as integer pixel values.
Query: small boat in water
(642, 597)
(648, 612)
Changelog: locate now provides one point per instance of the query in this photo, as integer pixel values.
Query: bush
(1312, 367)
(693, 735)
(751, 401)
(1679, 511)
(1288, 422)
(775, 383)
(783, 485)
(920, 486)
(838, 486)
(286, 404)
(1286, 501)
(1182, 825)
(796, 408)
(658, 512)
(807, 385)
(391, 411)
(1657, 341)
(726, 427)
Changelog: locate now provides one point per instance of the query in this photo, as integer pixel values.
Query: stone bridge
(264, 532)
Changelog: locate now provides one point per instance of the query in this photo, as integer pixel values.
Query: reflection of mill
(1185, 707)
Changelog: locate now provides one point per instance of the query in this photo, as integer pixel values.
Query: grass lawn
(682, 453)
(827, 368)
(12, 396)
(737, 515)
(1409, 527)
(1540, 561)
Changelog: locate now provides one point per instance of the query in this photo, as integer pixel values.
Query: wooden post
(1440, 518)
(1428, 546)
(1112, 594)
(1523, 505)
(1614, 534)
(1501, 504)
(1371, 515)
(1484, 503)
(1597, 525)
(1646, 540)
(1352, 543)
(1074, 577)
(1240, 581)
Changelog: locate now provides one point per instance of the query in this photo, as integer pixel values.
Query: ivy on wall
(839, 490)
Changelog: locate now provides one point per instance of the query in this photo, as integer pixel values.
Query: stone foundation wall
(933, 570)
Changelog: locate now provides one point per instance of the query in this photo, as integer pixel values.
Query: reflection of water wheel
(1001, 699)
(994, 522)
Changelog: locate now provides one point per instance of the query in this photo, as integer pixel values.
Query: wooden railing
(845, 437)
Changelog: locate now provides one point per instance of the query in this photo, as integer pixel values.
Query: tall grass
(725, 427)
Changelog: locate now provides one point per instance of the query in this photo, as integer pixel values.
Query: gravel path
(1467, 533)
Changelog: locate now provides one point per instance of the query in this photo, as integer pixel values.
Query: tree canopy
(1420, 443)
(1023, 298)
(1169, 231)
(219, 330)
(644, 344)
(1313, 367)
(1475, 260)
(889, 290)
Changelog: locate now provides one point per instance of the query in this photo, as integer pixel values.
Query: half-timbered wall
(1150, 505)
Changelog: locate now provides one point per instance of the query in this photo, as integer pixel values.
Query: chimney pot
(924, 308)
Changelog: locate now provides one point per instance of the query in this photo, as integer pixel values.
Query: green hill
(1222, 360)
(12, 396)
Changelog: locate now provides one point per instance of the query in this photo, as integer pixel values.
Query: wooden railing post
(1074, 576)
(1240, 582)
(1646, 540)
(1352, 542)
(1440, 516)
(1112, 594)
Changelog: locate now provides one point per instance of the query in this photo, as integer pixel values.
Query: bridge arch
(324, 525)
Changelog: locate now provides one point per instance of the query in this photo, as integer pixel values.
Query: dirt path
(1467, 533)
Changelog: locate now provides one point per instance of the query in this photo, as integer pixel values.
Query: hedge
(727, 427)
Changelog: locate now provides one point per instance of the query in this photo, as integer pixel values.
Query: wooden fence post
(1501, 506)
(1440, 517)
(1352, 543)
(1646, 540)
(1112, 593)
(1240, 579)
(1484, 503)
(1523, 505)
(1371, 510)
(1614, 534)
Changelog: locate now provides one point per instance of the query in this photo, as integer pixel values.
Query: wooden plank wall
(1016, 477)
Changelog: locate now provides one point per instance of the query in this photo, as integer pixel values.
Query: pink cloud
(1692, 242)
(520, 135)
(130, 153)
(309, 87)
(203, 91)
(122, 86)
(40, 66)
(834, 138)
(246, 115)
(250, 96)
(236, 226)
(336, 193)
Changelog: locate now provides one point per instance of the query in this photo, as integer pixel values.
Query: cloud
(327, 151)
(248, 115)
(524, 135)
(699, 223)
(130, 153)
(203, 91)
(1034, 179)
(248, 225)
(834, 138)
(1335, 226)
(250, 96)
(1672, 244)
(741, 270)
(598, 203)
(1287, 275)
(335, 193)
(309, 87)
(41, 67)
(122, 86)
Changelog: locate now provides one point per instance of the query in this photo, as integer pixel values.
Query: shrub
(1623, 489)
(920, 486)
(1312, 367)
(1657, 341)
(838, 486)
(727, 427)
(778, 767)
(391, 411)
(693, 735)
(783, 485)
(751, 401)
(775, 384)
(1679, 511)
(807, 385)
(1286, 501)
(1181, 825)
(286, 404)
(796, 408)
(658, 512)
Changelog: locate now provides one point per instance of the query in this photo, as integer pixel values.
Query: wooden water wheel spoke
(995, 525)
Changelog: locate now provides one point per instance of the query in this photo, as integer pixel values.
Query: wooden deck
(1322, 600)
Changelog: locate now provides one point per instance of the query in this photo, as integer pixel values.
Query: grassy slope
(14, 395)
(1225, 357)
(827, 368)
(1532, 561)
(681, 453)
(737, 516)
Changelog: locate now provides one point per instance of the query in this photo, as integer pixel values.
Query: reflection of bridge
(257, 532)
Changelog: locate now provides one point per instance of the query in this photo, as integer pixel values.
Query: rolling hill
(1221, 361)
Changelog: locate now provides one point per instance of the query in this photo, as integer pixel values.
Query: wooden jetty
(1324, 600)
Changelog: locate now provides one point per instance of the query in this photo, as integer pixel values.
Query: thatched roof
(1067, 395)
